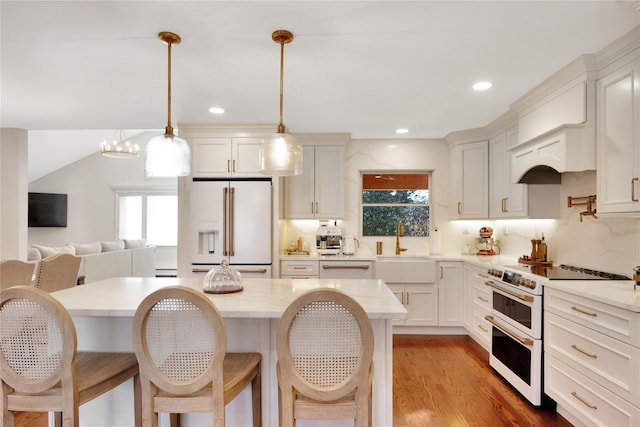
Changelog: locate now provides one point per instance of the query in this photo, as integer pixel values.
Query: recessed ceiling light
(216, 110)
(482, 85)
(402, 130)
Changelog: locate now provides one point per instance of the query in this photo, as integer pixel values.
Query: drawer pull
(577, 396)
(333, 267)
(483, 299)
(586, 353)
(485, 276)
(579, 310)
(299, 267)
(252, 270)
(482, 328)
(633, 189)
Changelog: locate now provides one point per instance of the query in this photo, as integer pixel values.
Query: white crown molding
(621, 47)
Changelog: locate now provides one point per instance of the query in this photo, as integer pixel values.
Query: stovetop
(568, 272)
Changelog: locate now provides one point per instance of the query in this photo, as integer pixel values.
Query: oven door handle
(523, 341)
(522, 297)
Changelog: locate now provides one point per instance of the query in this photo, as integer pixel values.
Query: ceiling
(74, 71)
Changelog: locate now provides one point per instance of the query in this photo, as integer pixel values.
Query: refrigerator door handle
(232, 222)
(224, 221)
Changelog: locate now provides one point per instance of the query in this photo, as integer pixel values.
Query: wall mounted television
(47, 210)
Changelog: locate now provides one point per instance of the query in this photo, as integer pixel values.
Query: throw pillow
(33, 254)
(135, 243)
(116, 245)
(88, 248)
(46, 251)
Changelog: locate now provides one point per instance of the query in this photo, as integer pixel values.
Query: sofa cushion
(46, 251)
(33, 254)
(134, 243)
(116, 245)
(87, 248)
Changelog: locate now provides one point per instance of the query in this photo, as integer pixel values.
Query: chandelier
(120, 148)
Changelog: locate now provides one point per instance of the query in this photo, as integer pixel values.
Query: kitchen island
(103, 314)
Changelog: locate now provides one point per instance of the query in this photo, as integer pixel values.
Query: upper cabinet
(224, 151)
(618, 140)
(469, 179)
(506, 199)
(224, 157)
(319, 191)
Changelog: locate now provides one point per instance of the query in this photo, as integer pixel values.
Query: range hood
(542, 160)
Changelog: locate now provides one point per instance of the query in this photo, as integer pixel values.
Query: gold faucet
(399, 233)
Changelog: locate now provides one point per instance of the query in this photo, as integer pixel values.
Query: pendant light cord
(169, 130)
(281, 124)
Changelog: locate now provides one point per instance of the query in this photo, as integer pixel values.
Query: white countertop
(315, 256)
(260, 298)
(618, 293)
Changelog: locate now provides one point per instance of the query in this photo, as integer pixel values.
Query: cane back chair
(180, 341)
(324, 344)
(41, 370)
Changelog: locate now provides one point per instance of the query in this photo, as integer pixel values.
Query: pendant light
(281, 154)
(168, 155)
(119, 148)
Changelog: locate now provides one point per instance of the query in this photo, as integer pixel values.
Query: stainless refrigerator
(231, 218)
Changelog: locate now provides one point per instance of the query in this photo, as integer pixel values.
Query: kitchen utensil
(350, 245)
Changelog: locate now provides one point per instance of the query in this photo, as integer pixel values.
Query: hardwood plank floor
(447, 381)
(439, 381)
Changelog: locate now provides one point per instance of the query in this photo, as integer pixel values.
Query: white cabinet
(319, 191)
(506, 200)
(477, 304)
(224, 157)
(299, 269)
(450, 294)
(592, 359)
(413, 283)
(469, 177)
(618, 140)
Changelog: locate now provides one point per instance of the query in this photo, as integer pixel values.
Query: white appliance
(231, 219)
(328, 240)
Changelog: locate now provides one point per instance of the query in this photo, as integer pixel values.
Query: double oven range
(516, 319)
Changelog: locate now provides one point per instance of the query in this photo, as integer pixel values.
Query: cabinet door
(421, 302)
(450, 294)
(246, 156)
(470, 175)
(398, 291)
(329, 182)
(506, 200)
(211, 157)
(299, 190)
(618, 140)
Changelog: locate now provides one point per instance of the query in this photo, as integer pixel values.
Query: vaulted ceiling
(364, 67)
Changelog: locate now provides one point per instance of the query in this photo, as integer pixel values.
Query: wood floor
(440, 381)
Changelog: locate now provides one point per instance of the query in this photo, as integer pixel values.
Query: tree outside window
(390, 198)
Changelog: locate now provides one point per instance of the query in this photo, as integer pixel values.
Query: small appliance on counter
(485, 244)
(350, 245)
(328, 240)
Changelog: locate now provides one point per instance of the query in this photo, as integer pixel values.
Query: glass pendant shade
(281, 155)
(167, 155)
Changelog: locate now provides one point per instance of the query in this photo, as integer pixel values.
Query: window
(390, 198)
(149, 215)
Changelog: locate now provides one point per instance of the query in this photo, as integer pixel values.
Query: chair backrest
(59, 271)
(180, 341)
(14, 272)
(37, 340)
(324, 344)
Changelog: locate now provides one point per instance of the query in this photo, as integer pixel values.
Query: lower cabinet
(591, 359)
(450, 293)
(477, 304)
(299, 269)
(420, 301)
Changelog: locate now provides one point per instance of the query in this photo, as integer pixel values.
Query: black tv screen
(47, 210)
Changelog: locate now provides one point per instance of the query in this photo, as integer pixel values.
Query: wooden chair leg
(137, 401)
(174, 420)
(256, 404)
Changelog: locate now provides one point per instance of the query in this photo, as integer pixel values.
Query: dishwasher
(346, 269)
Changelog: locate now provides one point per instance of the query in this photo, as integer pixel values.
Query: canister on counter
(379, 248)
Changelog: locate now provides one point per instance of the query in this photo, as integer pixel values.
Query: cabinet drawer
(611, 321)
(481, 329)
(610, 362)
(585, 399)
(299, 268)
(482, 297)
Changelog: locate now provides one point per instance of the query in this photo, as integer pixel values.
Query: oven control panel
(513, 278)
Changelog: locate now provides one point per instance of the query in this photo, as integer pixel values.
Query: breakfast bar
(103, 313)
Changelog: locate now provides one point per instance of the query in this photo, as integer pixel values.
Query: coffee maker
(485, 244)
(328, 240)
